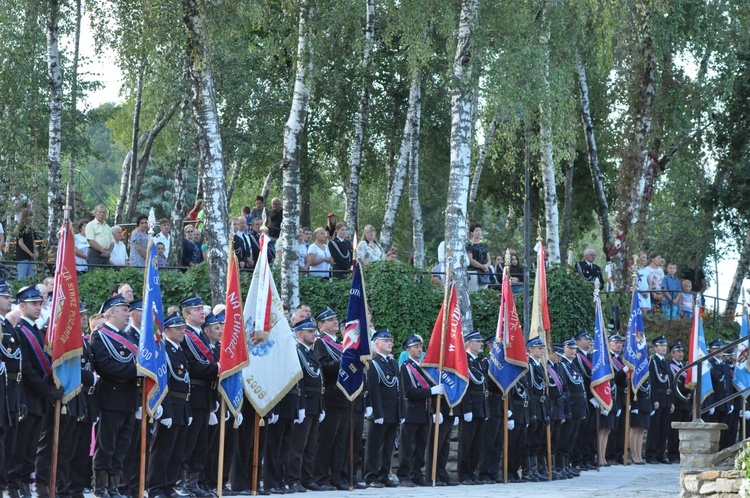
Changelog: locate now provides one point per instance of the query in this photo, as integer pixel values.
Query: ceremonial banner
(455, 367)
(539, 311)
(233, 355)
(507, 360)
(355, 349)
(64, 335)
(741, 373)
(696, 351)
(601, 371)
(273, 362)
(152, 357)
(636, 347)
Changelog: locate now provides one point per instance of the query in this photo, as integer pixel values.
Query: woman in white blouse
(319, 258)
(369, 250)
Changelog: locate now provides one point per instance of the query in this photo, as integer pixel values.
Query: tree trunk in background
(54, 73)
(355, 158)
(488, 141)
(130, 200)
(417, 223)
(593, 154)
(551, 208)
(162, 118)
(743, 267)
(212, 172)
(185, 143)
(293, 131)
(460, 156)
(398, 179)
(234, 174)
(125, 181)
(305, 218)
(636, 161)
(565, 242)
(73, 111)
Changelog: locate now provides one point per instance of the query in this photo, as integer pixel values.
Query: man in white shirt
(305, 234)
(118, 256)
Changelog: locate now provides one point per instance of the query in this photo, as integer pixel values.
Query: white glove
(439, 418)
(166, 422)
(652, 413)
(139, 413)
(96, 378)
(300, 416)
(438, 389)
(711, 411)
(619, 411)
(605, 412)
(402, 421)
(594, 402)
(212, 419)
(238, 420)
(747, 415)
(626, 369)
(274, 419)
(455, 421)
(511, 425)
(368, 412)
(731, 409)
(634, 411)
(510, 413)
(321, 416)
(379, 421)
(190, 420)
(226, 415)
(159, 412)
(468, 417)
(216, 407)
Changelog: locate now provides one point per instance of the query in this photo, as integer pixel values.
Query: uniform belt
(317, 390)
(523, 403)
(478, 392)
(121, 381)
(185, 396)
(91, 390)
(203, 383)
(578, 395)
(662, 390)
(14, 377)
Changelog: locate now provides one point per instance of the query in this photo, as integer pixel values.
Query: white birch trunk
(54, 73)
(234, 174)
(398, 179)
(551, 207)
(417, 223)
(185, 143)
(215, 229)
(355, 157)
(743, 267)
(488, 141)
(267, 184)
(293, 130)
(568, 210)
(593, 154)
(460, 156)
(135, 146)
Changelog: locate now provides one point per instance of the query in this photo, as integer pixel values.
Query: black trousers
(358, 423)
(492, 448)
(132, 464)
(444, 447)
(80, 468)
(165, 458)
(469, 447)
(411, 451)
(196, 442)
(555, 427)
(240, 476)
(276, 452)
(516, 449)
(537, 439)
(329, 457)
(673, 443)
(212, 464)
(68, 438)
(584, 448)
(729, 436)
(24, 451)
(616, 441)
(379, 451)
(113, 434)
(9, 436)
(302, 446)
(568, 436)
(658, 432)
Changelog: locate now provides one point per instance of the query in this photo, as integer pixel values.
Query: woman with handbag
(480, 266)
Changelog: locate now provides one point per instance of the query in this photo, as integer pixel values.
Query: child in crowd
(672, 297)
(686, 311)
(161, 260)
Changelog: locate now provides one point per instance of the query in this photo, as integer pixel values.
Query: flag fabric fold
(741, 373)
(454, 374)
(601, 371)
(64, 334)
(540, 323)
(152, 357)
(696, 351)
(233, 355)
(636, 347)
(273, 362)
(507, 359)
(356, 344)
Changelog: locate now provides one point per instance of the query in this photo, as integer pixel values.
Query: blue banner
(356, 343)
(601, 371)
(636, 347)
(152, 357)
(741, 373)
(503, 373)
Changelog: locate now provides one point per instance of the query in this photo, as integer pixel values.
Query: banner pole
(222, 435)
(351, 445)
(627, 425)
(55, 448)
(144, 429)
(505, 439)
(256, 445)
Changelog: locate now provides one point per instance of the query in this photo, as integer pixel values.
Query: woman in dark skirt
(606, 425)
(640, 416)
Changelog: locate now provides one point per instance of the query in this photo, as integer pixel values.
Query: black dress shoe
(326, 487)
(639, 463)
(652, 460)
(407, 484)
(439, 484)
(468, 482)
(421, 483)
(375, 484)
(312, 487)
(342, 486)
(263, 492)
(451, 483)
(360, 485)
(663, 460)
(277, 491)
(297, 488)
(390, 484)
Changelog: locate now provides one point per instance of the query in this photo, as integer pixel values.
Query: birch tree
(54, 72)
(488, 141)
(462, 97)
(355, 158)
(417, 223)
(211, 155)
(291, 161)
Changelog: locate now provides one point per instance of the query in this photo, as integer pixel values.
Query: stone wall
(706, 471)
